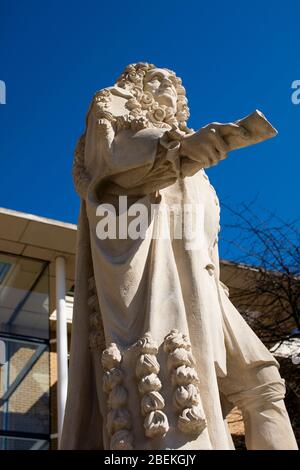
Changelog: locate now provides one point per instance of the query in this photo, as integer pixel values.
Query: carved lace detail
(96, 337)
(101, 105)
(102, 98)
(129, 121)
(186, 396)
(118, 422)
(105, 120)
(152, 403)
(81, 176)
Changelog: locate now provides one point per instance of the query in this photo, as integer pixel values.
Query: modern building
(37, 258)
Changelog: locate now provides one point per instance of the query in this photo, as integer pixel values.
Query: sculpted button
(210, 267)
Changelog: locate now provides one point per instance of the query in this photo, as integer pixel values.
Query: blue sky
(234, 57)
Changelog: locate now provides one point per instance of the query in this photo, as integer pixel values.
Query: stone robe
(157, 307)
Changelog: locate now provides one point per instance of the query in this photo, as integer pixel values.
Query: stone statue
(159, 354)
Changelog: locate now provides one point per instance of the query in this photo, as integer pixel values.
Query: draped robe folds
(156, 285)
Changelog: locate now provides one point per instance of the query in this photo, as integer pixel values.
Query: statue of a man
(159, 354)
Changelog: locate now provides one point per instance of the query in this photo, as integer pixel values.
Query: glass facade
(23, 443)
(24, 353)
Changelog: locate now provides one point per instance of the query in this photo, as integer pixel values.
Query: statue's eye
(156, 78)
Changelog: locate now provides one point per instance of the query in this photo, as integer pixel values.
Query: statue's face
(158, 83)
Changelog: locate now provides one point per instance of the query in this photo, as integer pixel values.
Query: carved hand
(211, 143)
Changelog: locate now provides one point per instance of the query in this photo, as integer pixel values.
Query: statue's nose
(166, 82)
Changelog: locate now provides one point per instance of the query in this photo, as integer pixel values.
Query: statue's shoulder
(110, 103)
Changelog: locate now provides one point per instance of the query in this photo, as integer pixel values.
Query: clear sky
(233, 57)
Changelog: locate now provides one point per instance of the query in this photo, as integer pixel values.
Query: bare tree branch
(269, 297)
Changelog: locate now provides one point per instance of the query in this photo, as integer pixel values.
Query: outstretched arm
(212, 143)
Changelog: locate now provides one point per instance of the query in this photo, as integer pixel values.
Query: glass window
(4, 268)
(24, 297)
(24, 353)
(24, 387)
(18, 443)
